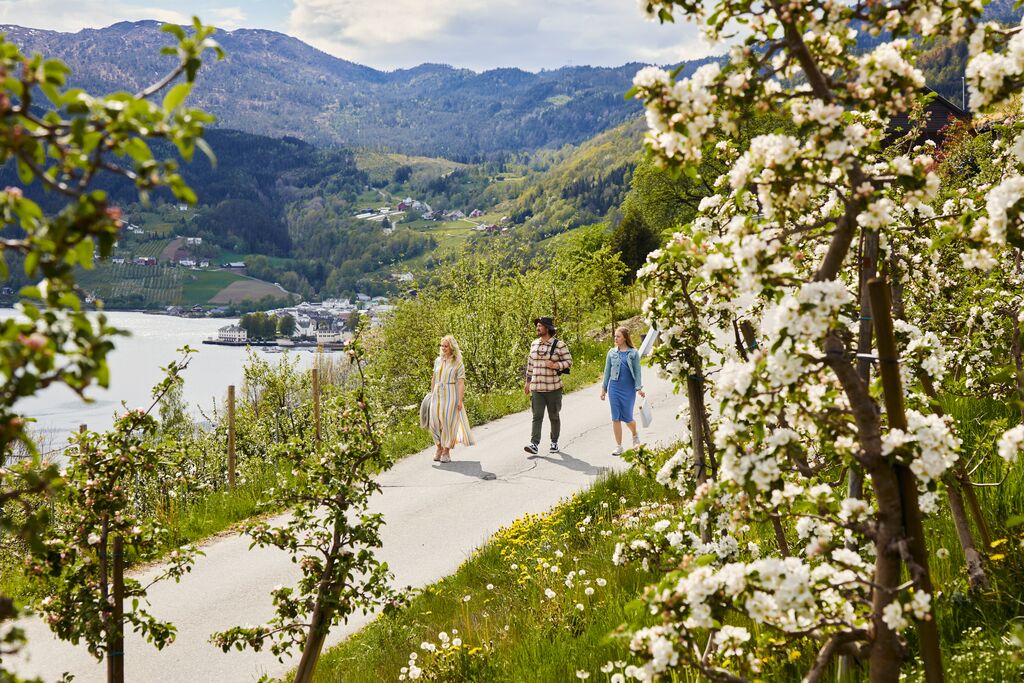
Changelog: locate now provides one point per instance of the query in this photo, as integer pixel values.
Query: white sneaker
(636, 441)
(617, 451)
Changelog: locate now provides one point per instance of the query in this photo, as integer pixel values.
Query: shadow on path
(468, 468)
(567, 461)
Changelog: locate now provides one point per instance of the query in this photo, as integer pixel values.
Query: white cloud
(60, 15)
(227, 18)
(481, 34)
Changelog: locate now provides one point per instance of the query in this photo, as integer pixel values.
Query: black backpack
(551, 354)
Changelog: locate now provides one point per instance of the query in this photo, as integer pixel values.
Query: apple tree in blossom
(820, 245)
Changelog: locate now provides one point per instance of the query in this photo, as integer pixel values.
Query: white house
(329, 337)
(187, 263)
(193, 240)
(232, 333)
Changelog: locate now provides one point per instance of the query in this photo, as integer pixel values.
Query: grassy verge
(537, 603)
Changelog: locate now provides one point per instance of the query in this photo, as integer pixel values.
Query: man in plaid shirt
(544, 367)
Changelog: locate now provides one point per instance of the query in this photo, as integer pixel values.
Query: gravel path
(436, 515)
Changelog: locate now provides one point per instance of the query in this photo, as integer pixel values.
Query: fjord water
(135, 367)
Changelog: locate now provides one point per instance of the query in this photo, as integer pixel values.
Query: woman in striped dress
(448, 421)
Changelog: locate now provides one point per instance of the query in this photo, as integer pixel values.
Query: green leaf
(634, 608)
(70, 300)
(1014, 521)
(31, 262)
(25, 173)
(175, 30)
(138, 150)
(705, 560)
(207, 150)
(84, 252)
(176, 95)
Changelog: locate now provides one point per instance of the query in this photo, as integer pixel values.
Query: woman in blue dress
(621, 385)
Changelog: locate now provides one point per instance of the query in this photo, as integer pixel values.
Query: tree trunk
(115, 635)
(975, 568)
(868, 270)
(694, 391)
(913, 528)
(885, 654)
(313, 646)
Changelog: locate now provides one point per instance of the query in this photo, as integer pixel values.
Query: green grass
(512, 631)
(226, 256)
(199, 286)
(219, 510)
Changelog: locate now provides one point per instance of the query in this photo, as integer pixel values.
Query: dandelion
(942, 553)
(582, 675)
(602, 583)
(550, 594)
(607, 668)
(579, 606)
(456, 642)
(490, 586)
(466, 598)
(588, 590)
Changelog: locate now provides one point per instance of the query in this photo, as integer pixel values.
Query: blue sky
(389, 34)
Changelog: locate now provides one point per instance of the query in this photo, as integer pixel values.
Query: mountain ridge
(273, 84)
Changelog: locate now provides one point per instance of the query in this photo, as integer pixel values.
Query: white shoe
(617, 451)
(636, 441)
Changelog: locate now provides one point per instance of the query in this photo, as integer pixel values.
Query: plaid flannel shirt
(538, 374)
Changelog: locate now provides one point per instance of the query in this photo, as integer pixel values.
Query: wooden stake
(231, 436)
(881, 312)
(316, 402)
(115, 651)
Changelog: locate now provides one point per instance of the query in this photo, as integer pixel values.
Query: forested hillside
(583, 186)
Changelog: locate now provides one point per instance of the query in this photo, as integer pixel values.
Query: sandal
(437, 454)
(446, 457)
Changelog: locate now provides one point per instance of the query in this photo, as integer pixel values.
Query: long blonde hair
(456, 351)
(624, 331)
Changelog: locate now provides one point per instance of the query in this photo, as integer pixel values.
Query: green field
(226, 256)
(199, 286)
(136, 286)
(381, 166)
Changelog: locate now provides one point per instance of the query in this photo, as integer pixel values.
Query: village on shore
(326, 325)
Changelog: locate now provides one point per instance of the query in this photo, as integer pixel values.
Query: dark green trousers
(552, 401)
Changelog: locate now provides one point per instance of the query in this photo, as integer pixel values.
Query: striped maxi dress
(448, 424)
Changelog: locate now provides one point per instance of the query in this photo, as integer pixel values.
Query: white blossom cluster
(1011, 443)
(934, 442)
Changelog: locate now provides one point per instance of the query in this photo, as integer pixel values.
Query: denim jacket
(612, 366)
